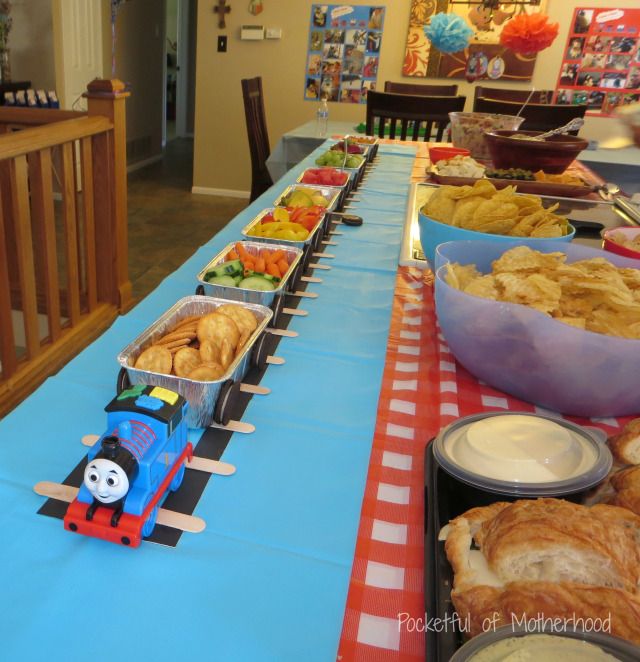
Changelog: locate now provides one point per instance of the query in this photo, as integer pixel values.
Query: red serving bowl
(444, 153)
(553, 155)
(614, 247)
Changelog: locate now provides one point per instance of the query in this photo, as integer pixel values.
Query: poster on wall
(344, 51)
(601, 60)
(484, 58)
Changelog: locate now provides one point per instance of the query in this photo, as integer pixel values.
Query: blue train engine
(133, 466)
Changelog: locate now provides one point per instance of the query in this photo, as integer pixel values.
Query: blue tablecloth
(268, 578)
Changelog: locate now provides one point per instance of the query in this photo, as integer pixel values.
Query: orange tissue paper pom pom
(529, 33)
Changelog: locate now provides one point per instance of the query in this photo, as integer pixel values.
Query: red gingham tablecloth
(423, 390)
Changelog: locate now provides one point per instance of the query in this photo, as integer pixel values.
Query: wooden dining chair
(257, 134)
(421, 90)
(500, 94)
(538, 116)
(406, 115)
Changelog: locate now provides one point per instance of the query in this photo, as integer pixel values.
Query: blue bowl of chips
(433, 233)
(461, 213)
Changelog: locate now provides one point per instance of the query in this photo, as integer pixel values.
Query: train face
(136, 462)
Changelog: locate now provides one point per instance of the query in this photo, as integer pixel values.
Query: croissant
(547, 558)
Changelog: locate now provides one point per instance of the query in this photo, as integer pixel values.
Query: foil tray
(287, 282)
(201, 396)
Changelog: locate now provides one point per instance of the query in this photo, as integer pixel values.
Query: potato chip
(523, 258)
(459, 276)
(533, 290)
(485, 287)
(589, 294)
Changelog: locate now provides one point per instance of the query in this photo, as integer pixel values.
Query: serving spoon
(575, 124)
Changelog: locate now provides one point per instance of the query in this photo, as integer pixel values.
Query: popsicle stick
(295, 312)
(254, 389)
(303, 295)
(329, 243)
(285, 333)
(236, 426)
(180, 521)
(334, 233)
(67, 493)
(327, 255)
(211, 466)
(275, 360)
(319, 266)
(310, 279)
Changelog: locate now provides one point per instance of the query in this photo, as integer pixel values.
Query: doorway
(179, 68)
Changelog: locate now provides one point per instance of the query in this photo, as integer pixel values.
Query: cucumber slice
(229, 268)
(256, 283)
(225, 281)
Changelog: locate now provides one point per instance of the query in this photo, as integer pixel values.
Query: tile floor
(167, 223)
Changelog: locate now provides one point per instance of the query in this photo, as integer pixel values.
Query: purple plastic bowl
(523, 352)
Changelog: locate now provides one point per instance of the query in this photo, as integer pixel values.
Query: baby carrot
(273, 270)
(275, 256)
(264, 253)
(232, 255)
(283, 266)
(261, 265)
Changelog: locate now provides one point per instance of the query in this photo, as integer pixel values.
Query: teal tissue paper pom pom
(448, 33)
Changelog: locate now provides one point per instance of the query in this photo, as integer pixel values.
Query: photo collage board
(344, 52)
(601, 60)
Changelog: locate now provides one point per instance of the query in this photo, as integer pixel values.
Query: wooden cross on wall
(221, 9)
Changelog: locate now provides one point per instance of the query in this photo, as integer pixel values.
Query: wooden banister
(35, 116)
(63, 264)
(29, 140)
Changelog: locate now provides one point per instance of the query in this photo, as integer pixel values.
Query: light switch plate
(274, 33)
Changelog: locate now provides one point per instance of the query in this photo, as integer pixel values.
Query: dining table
(314, 548)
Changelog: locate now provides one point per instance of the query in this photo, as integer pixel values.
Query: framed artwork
(484, 57)
(343, 52)
(601, 60)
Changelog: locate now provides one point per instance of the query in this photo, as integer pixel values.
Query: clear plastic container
(523, 454)
(525, 353)
(468, 129)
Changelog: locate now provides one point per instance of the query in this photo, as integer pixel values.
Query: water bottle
(322, 118)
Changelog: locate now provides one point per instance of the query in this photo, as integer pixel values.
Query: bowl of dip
(523, 454)
(624, 240)
(511, 643)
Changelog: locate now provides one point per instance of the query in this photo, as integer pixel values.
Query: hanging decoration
(255, 7)
(528, 34)
(484, 56)
(449, 33)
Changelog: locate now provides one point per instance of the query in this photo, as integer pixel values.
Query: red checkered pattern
(423, 390)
